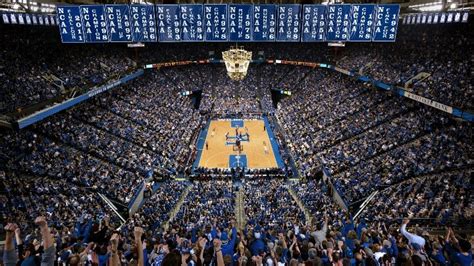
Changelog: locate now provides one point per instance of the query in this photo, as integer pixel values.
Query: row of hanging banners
(436, 18)
(30, 19)
(228, 23)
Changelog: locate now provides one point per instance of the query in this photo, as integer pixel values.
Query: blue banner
(264, 23)
(143, 23)
(240, 22)
(21, 19)
(94, 23)
(192, 24)
(28, 19)
(314, 23)
(338, 22)
(5, 18)
(70, 24)
(289, 23)
(215, 17)
(386, 23)
(168, 23)
(362, 23)
(120, 25)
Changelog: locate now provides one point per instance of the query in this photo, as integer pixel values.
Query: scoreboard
(228, 23)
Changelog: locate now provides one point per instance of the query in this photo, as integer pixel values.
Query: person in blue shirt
(257, 244)
(460, 252)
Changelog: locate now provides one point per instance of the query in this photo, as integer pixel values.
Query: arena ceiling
(407, 6)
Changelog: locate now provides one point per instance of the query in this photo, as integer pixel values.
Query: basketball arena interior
(237, 133)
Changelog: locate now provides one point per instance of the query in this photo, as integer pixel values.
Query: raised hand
(138, 232)
(202, 242)
(217, 244)
(11, 227)
(41, 221)
(115, 237)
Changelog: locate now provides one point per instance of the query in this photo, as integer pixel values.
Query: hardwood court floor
(217, 155)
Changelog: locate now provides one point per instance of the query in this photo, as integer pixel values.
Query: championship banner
(94, 23)
(386, 24)
(362, 23)
(465, 17)
(120, 25)
(13, 19)
(5, 19)
(20, 19)
(51, 18)
(70, 24)
(192, 24)
(143, 23)
(442, 18)
(430, 19)
(338, 22)
(168, 23)
(450, 18)
(37, 19)
(264, 23)
(314, 23)
(215, 22)
(289, 21)
(240, 22)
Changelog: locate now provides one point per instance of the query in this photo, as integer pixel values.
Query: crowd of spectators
(445, 198)
(270, 203)
(156, 209)
(445, 54)
(317, 199)
(417, 160)
(205, 203)
(30, 77)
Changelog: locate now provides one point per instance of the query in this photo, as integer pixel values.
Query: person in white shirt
(412, 238)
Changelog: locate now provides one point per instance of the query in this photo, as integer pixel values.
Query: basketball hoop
(237, 62)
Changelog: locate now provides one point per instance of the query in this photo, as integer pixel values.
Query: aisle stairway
(239, 208)
(307, 215)
(178, 205)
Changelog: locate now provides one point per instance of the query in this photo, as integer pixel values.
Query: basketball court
(238, 143)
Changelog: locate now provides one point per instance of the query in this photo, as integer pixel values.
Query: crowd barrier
(137, 199)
